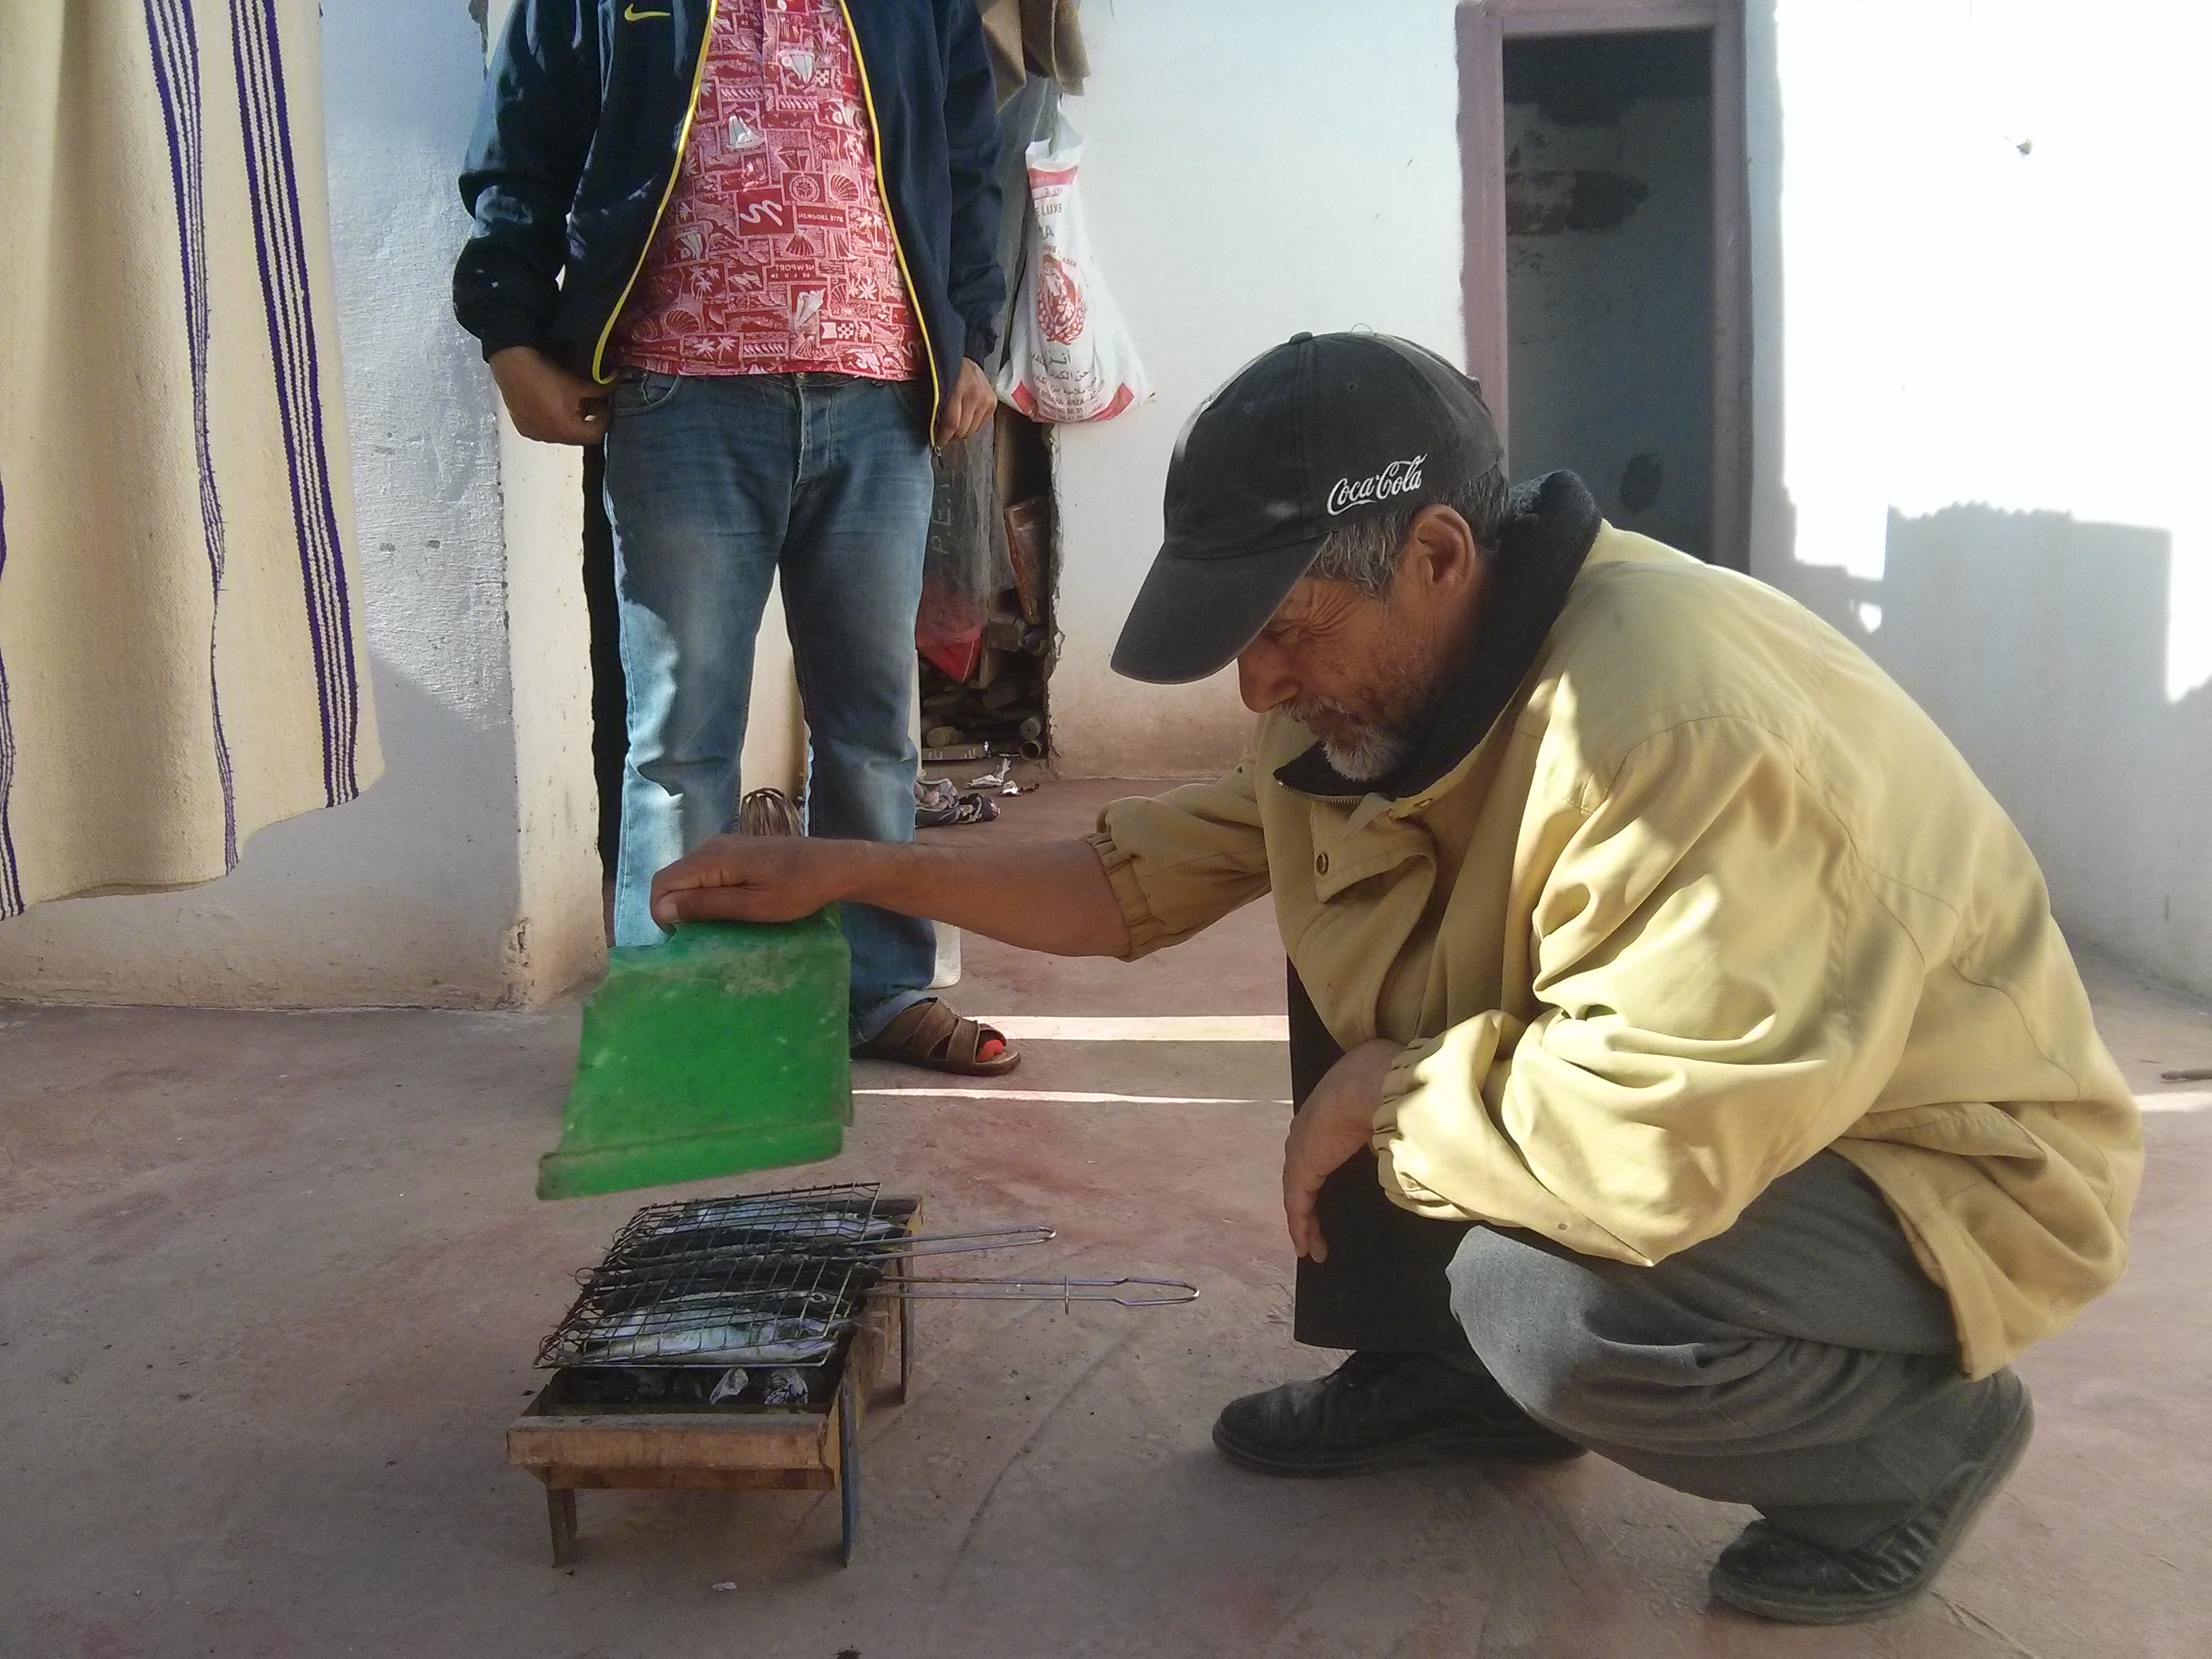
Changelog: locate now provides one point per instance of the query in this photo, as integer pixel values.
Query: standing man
(750, 245)
(1713, 1090)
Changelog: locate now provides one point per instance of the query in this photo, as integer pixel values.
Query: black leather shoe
(1768, 1572)
(1382, 1411)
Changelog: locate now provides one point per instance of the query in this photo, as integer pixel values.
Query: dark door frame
(1485, 26)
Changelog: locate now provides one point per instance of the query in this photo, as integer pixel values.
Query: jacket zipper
(890, 223)
(674, 168)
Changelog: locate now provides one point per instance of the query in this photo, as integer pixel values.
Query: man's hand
(1337, 1120)
(754, 879)
(1040, 895)
(547, 402)
(971, 404)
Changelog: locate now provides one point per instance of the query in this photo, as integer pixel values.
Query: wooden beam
(1481, 42)
(1729, 515)
(1532, 17)
(597, 1478)
(577, 1440)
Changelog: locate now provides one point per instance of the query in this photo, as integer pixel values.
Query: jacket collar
(1553, 522)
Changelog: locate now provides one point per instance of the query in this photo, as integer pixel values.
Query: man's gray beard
(1376, 753)
(1384, 741)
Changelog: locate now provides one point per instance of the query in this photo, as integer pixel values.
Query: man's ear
(1441, 540)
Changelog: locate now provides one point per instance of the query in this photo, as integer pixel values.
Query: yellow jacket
(1713, 896)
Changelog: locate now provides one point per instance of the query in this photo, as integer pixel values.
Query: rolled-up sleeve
(1181, 861)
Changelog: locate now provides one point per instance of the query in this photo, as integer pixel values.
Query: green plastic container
(722, 1050)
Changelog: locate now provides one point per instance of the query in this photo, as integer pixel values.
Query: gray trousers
(1801, 1363)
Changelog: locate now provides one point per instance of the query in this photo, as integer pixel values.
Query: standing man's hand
(549, 403)
(972, 402)
(1337, 1120)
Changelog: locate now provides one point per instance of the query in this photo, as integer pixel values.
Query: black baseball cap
(1309, 436)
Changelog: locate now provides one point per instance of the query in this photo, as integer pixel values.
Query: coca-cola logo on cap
(1395, 479)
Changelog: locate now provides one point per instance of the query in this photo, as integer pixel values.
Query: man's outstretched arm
(1042, 896)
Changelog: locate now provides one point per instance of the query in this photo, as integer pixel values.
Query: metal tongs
(915, 1287)
(902, 1245)
(1143, 1292)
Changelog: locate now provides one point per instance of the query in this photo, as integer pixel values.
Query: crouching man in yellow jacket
(1711, 1088)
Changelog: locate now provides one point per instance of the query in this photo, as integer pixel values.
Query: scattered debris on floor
(939, 803)
(999, 777)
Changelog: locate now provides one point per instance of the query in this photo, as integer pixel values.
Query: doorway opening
(1608, 288)
(1606, 282)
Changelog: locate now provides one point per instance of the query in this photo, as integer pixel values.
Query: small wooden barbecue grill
(731, 1344)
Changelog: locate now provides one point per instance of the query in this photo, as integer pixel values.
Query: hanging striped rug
(180, 658)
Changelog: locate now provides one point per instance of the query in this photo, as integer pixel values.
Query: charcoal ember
(642, 1385)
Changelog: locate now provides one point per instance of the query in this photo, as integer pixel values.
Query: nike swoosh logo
(632, 14)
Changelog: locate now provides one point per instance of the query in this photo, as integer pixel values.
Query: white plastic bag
(1070, 358)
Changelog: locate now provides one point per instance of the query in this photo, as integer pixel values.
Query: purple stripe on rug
(11, 880)
(261, 159)
(280, 247)
(174, 42)
(340, 590)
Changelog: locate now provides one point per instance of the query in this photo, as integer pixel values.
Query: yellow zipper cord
(683, 140)
(890, 223)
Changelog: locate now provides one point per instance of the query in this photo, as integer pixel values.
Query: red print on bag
(1059, 306)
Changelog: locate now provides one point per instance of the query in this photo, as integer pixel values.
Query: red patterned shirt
(775, 256)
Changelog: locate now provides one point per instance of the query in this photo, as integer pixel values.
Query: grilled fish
(733, 1341)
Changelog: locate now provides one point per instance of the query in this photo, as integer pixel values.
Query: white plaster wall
(460, 878)
(559, 932)
(1981, 355)
(1251, 167)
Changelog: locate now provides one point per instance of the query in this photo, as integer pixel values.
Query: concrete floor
(270, 1286)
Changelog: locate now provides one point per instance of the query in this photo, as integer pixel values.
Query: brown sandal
(931, 1036)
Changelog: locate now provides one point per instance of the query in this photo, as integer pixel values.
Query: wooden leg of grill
(906, 1339)
(561, 1512)
(849, 1466)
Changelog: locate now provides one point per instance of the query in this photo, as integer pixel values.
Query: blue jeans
(714, 484)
